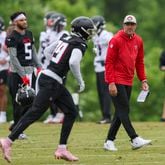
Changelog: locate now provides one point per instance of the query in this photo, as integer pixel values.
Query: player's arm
(74, 64)
(42, 45)
(13, 57)
(34, 57)
(6, 57)
(11, 43)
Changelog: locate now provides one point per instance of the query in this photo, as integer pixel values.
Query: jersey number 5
(28, 51)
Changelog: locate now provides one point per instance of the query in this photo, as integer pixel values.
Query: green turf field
(86, 142)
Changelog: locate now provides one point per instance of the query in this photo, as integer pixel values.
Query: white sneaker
(139, 142)
(48, 119)
(3, 119)
(22, 136)
(110, 146)
(58, 118)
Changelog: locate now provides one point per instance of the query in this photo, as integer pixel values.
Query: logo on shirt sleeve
(111, 46)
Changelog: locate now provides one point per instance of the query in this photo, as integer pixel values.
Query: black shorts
(3, 77)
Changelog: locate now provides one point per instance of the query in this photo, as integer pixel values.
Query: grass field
(86, 142)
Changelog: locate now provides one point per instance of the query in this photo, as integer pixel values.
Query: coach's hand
(145, 85)
(112, 89)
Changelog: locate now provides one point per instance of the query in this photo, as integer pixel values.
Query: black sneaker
(162, 119)
(104, 121)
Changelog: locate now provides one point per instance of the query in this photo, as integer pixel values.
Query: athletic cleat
(139, 142)
(48, 119)
(104, 121)
(5, 144)
(22, 136)
(58, 118)
(110, 146)
(63, 153)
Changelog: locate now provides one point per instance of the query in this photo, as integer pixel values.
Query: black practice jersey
(62, 52)
(23, 43)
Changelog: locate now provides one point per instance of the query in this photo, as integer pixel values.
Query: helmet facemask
(89, 32)
(58, 22)
(99, 22)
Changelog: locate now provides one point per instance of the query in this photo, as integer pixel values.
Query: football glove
(81, 87)
(25, 80)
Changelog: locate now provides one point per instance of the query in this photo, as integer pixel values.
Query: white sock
(63, 146)
(9, 140)
(3, 113)
(110, 141)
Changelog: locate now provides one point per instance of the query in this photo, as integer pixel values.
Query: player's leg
(104, 98)
(163, 113)
(14, 83)
(65, 102)
(3, 96)
(40, 105)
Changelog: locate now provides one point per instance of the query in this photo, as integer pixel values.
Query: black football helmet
(25, 96)
(99, 22)
(58, 21)
(2, 24)
(83, 27)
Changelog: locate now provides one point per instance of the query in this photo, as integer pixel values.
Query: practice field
(86, 142)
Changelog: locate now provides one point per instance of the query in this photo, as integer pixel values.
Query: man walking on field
(125, 54)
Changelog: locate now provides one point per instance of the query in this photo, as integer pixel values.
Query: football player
(43, 39)
(4, 66)
(23, 59)
(65, 55)
(100, 41)
(58, 23)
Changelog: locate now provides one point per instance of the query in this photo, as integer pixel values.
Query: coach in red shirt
(125, 54)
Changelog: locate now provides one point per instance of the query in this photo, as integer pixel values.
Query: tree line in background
(151, 25)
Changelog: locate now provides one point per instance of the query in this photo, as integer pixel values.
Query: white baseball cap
(129, 18)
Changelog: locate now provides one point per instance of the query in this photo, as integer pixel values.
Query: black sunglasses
(130, 23)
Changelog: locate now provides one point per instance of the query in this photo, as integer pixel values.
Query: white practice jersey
(53, 36)
(43, 41)
(3, 53)
(100, 48)
(46, 38)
